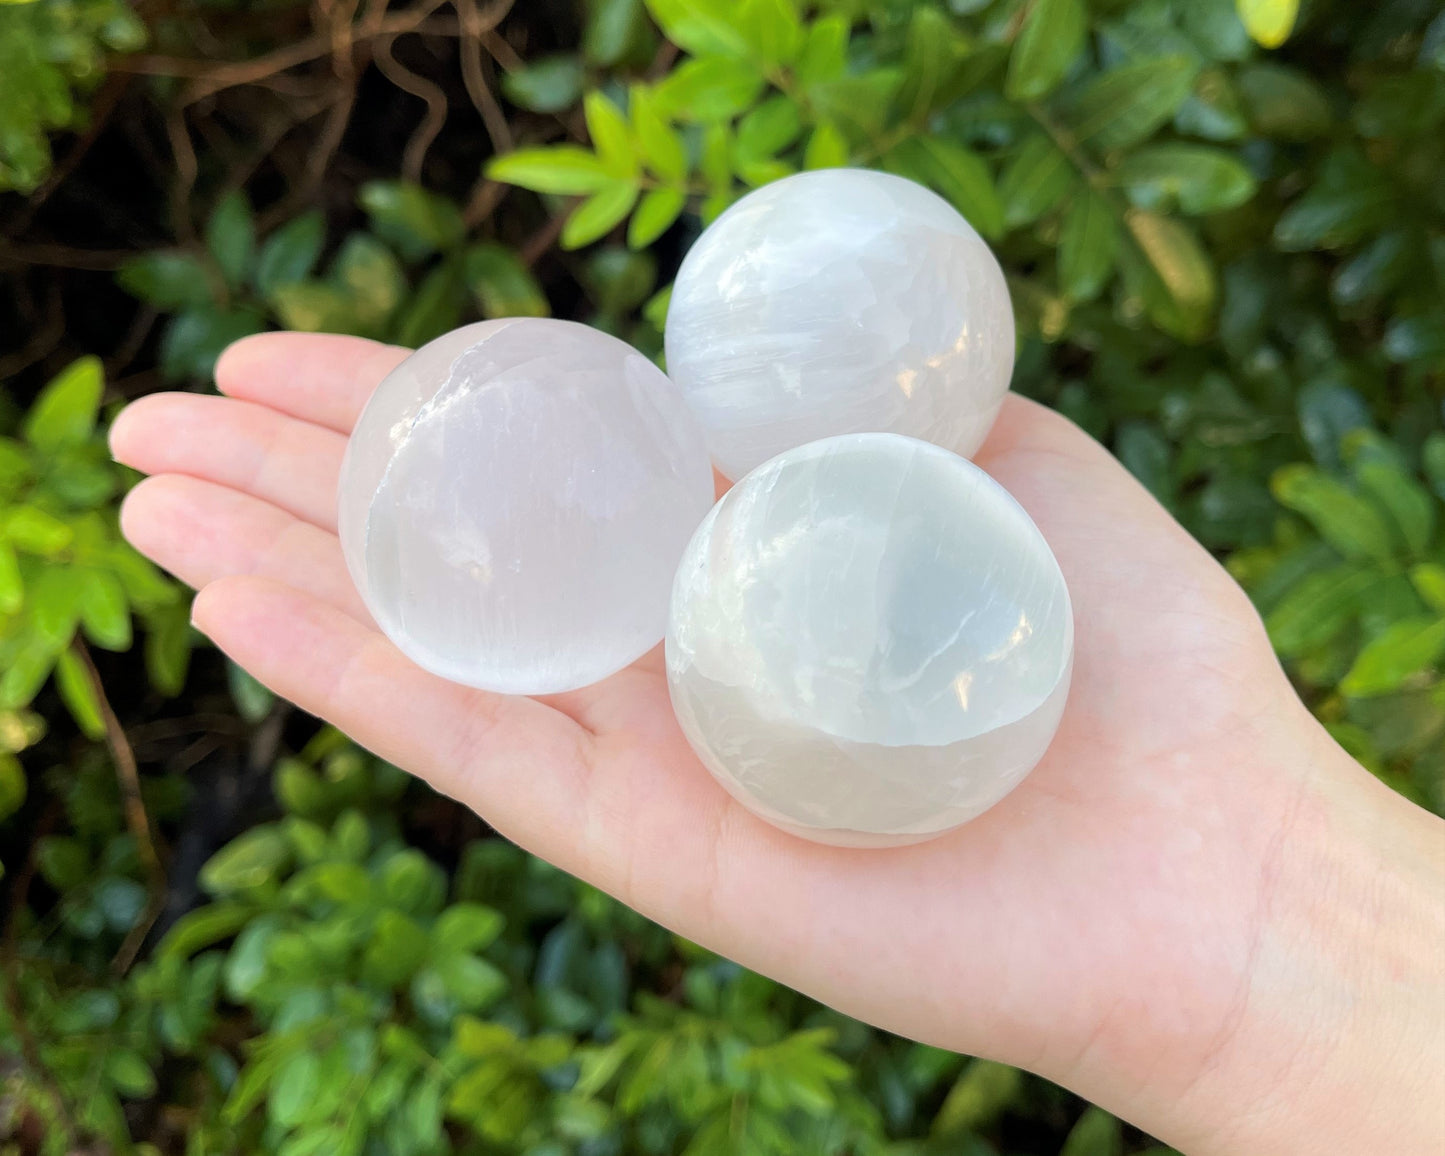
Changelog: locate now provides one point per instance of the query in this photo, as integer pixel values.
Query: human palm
(1103, 917)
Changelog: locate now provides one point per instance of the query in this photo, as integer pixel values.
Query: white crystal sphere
(839, 301)
(514, 500)
(870, 641)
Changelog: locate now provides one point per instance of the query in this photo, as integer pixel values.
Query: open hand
(1135, 920)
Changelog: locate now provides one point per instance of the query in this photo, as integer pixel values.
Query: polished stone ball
(839, 301)
(514, 500)
(870, 641)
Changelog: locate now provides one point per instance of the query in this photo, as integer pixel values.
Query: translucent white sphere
(870, 641)
(514, 500)
(839, 301)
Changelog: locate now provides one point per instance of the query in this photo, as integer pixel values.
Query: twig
(127, 775)
(502, 52)
(209, 78)
(486, 195)
(414, 155)
(542, 240)
(186, 170)
(474, 26)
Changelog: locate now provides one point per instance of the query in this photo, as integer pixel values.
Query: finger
(515, 758)
(201, 532)
(322, 378)
(289, 463)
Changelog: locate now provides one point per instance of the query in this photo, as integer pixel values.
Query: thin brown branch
(474, 26)
(210, 77)
(137, 821)
(542, 240)
(486, 195)
(502, 52)
(413, 157)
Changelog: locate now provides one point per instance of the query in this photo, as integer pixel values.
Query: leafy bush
(1225, 239)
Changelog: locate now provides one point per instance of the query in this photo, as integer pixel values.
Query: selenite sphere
(870, 642)
(514, 501)
(839, 301)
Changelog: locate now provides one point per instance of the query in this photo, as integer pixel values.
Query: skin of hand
(1197, 911)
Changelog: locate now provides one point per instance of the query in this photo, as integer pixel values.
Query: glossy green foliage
(51, 57)
(67, 578)
(1224, 233)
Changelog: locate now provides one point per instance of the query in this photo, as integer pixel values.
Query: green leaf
(1394, 657)
(1284, 104)
(1180, 288)
(546, 84)
(1429, 582)
(471, 981)
(168, 648)
(26, 673)
(12, 586)
(1410, 506)
(1051, 39)
(1198, 178)
(1214, 110)
(434, 308)
(599, 214)
(129, 1074)
(977, 1099)
(501, 284)
(1088, 247)
(1269, 21)
(958, 174)
(932, 57)
(661, 148)
(248, 861)
(72, 680)
(1317, 608)
(12, 786)
(1345, 520)
(166, 279)
(203, 928)
(105, 611)
(231, 237)
(63, 862)
(1125, 106)
(290, 253)
(416, 222)
(1096, 1134)
(618, 30)
(368, 272)
(466, 927)
(253, 701)
(767, 129)
(194, 339)
(655, 214)
(1415, 339)
(562, 169)
(772, 30)
(1035, 181)
(824, 54)
(56, 596)
(703, 27)
(1433, 456)
(610, 138)
(65, 412)
(294, 1088)
(708, 90)
(827, 148)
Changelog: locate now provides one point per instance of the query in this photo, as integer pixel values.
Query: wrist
(1338, 1041)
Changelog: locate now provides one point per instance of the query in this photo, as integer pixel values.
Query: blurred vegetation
(226, 931)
